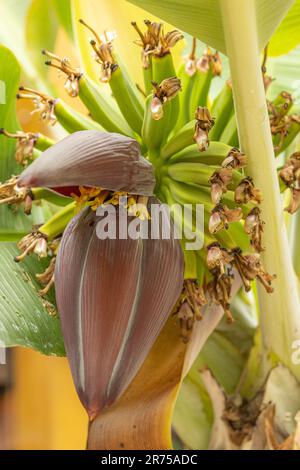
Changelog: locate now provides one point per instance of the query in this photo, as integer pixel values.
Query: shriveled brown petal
(294, 202)
(92, 158)
(113, 296)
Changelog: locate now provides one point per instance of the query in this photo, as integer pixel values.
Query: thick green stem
(280, 310)
(294, 242)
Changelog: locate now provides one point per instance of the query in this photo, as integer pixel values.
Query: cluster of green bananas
(191, 143)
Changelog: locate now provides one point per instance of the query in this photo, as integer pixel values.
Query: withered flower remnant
(154, 41)
(204, 123)
(218, 258)
(210, 60)
(35, 242)
(294, 201)
(163, 92)
(221, 216)
(246, 192)
(47, 277)
(63, 64)
(25, 145)
(254, 227)
(219, 290)
(290, 175)
(249, 267)
(11, 193)
(219, 182)
(235, 159)
(188, 307)
(44, 104)
(190, 61)
(103, 52)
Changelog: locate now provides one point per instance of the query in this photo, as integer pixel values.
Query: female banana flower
(113, 295)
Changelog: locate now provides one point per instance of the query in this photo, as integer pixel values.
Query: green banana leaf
(202, 18)
(25, 319)
(12, 223)
(287, 35)
(193, 416)
(64, 13)
(285, 70)
(41, 25)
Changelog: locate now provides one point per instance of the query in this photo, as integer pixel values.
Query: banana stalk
(279, 311)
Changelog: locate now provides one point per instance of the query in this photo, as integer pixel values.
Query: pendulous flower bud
(113, 296)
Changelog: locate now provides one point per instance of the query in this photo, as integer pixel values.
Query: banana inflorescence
(192, 144)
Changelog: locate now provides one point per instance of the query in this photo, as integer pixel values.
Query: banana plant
(138, 310)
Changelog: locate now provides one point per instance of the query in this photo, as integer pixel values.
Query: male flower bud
(148, 274)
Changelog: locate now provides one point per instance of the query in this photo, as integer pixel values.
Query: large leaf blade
(287, 36)
(24, 319)
(40, 32)
(10, 222)
(203, 20)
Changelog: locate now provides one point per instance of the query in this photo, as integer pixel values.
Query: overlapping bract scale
(92, 158)
(114, 296)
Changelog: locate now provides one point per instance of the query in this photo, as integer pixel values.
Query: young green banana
(221, 110)
(101, 111)
(230, 134)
